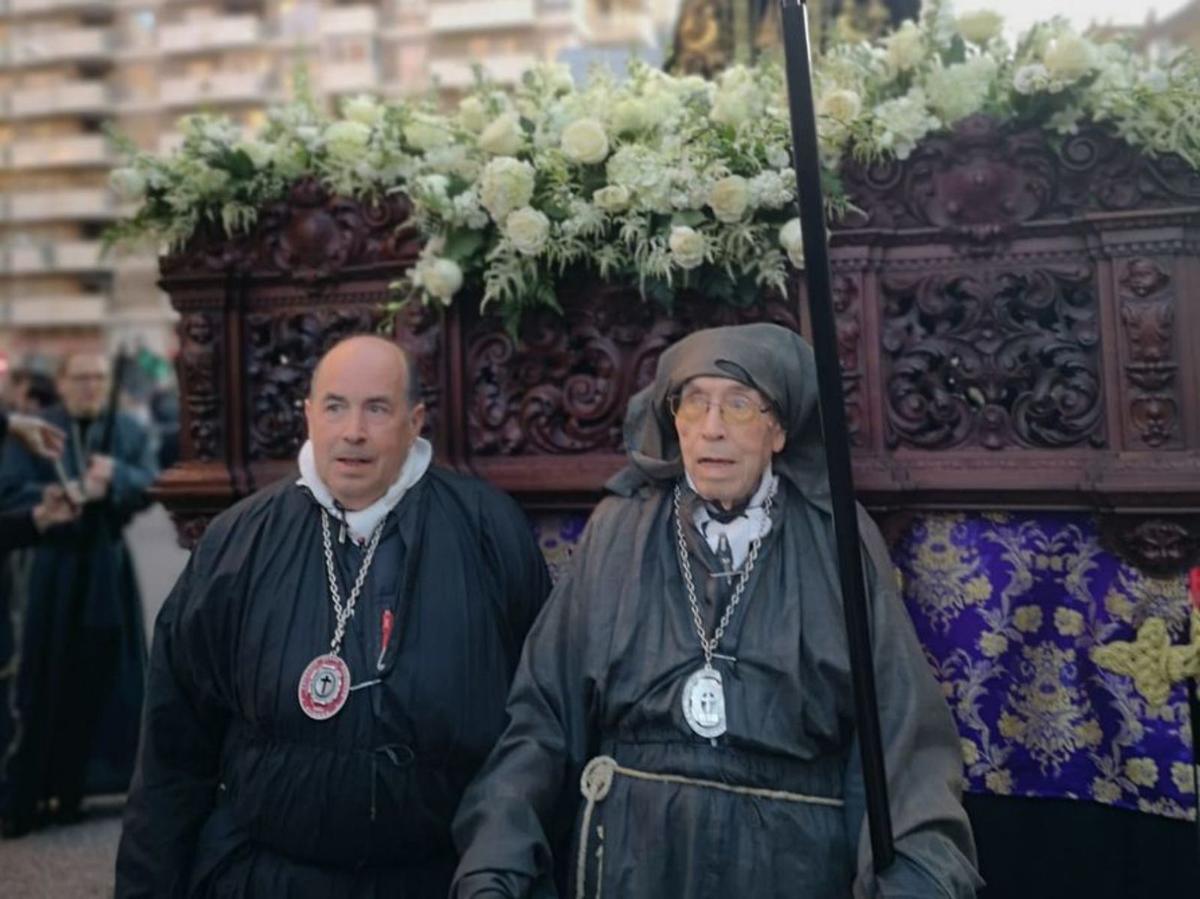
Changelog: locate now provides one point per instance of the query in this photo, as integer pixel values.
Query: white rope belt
(597, 780)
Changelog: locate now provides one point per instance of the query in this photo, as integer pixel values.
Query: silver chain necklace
(325, 683)
(703, 696)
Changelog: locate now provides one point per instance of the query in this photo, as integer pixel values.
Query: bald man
(332, 666)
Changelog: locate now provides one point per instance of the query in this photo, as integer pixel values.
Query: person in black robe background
(614, 777)
(238, 792)
(82, 646)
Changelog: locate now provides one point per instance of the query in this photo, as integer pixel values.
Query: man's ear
(417, 419)
(779, 438)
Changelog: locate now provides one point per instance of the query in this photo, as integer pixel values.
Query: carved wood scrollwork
(981, 180)
(201, 349)
(1148, 318)
(994, 358)
(847, 299)
(564, 386)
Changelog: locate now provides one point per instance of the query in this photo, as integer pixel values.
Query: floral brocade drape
(1067, 671)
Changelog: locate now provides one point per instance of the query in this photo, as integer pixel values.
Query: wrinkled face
(83, 385)
(725, 458)
(360, 421)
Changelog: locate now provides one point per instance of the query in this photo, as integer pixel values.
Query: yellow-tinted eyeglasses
(736, 408)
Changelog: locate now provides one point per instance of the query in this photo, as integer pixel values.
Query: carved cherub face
(360, 420)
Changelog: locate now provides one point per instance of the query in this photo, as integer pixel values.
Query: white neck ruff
(740, 532)
(362, 522)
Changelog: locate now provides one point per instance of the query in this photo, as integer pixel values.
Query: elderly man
(82, 651)
(690, 674)
(331, 668)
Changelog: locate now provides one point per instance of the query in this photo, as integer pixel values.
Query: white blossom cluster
(661, 181)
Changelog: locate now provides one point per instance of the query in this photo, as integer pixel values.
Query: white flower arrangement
(660, 181)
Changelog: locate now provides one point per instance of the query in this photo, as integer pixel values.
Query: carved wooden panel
(563, 386)
(201, 351)
(995, 358)
(982, 181)
(1147, 308)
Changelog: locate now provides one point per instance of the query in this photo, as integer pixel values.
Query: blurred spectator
(31, 391)
(79, 684)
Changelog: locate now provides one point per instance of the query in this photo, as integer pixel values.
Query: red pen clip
(385, 631)
(1194, 587)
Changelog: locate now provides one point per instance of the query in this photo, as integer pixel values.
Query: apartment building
(68, 67)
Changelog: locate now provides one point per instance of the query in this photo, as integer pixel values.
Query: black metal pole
(833, 422)
(108, 423)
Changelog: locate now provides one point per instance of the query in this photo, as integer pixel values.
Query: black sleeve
(183, 727)
(510, 822)
(134, 471)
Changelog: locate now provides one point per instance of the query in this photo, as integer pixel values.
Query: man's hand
(98, 477)
(55, 508)
(40, 437)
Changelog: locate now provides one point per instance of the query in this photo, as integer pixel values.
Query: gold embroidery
(1151, 660)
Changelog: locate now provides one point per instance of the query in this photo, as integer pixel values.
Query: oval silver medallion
(703, 702)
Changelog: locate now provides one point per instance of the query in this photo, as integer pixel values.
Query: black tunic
(237, 792)
(82, 648)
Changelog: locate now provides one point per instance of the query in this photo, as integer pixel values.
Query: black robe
(78, 686)
(602, 674)
(238, 793)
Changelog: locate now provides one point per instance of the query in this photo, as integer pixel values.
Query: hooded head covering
(776, 362)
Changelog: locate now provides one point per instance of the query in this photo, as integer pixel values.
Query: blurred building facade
(69, 66)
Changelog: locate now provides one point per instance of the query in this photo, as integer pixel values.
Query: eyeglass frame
(675, 400)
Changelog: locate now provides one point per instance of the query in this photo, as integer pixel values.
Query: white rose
(472, 114)
(613, 198)
(528, 229)
(584, 141)
(688, 247)
(979, 26)
(426, 133)
(503, 137)
(362, 109)
(960, 90)
(260, 154)
(506, 184)
(733, 106)
(729, 198)
(345, 141)
(128, 184)
(441, 277)
(558, 77)
(1031, 78)
(792, 240)
(1068, 57)
(841, 105)
(290, 159)
(630, 115)
(905, 48)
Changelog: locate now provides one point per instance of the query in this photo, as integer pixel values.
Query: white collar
(362, 522)
(741, 531)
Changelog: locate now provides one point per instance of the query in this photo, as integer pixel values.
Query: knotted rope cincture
(597, 780)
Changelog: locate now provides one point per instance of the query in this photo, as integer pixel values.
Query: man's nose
(356, 432)
(713, 425)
